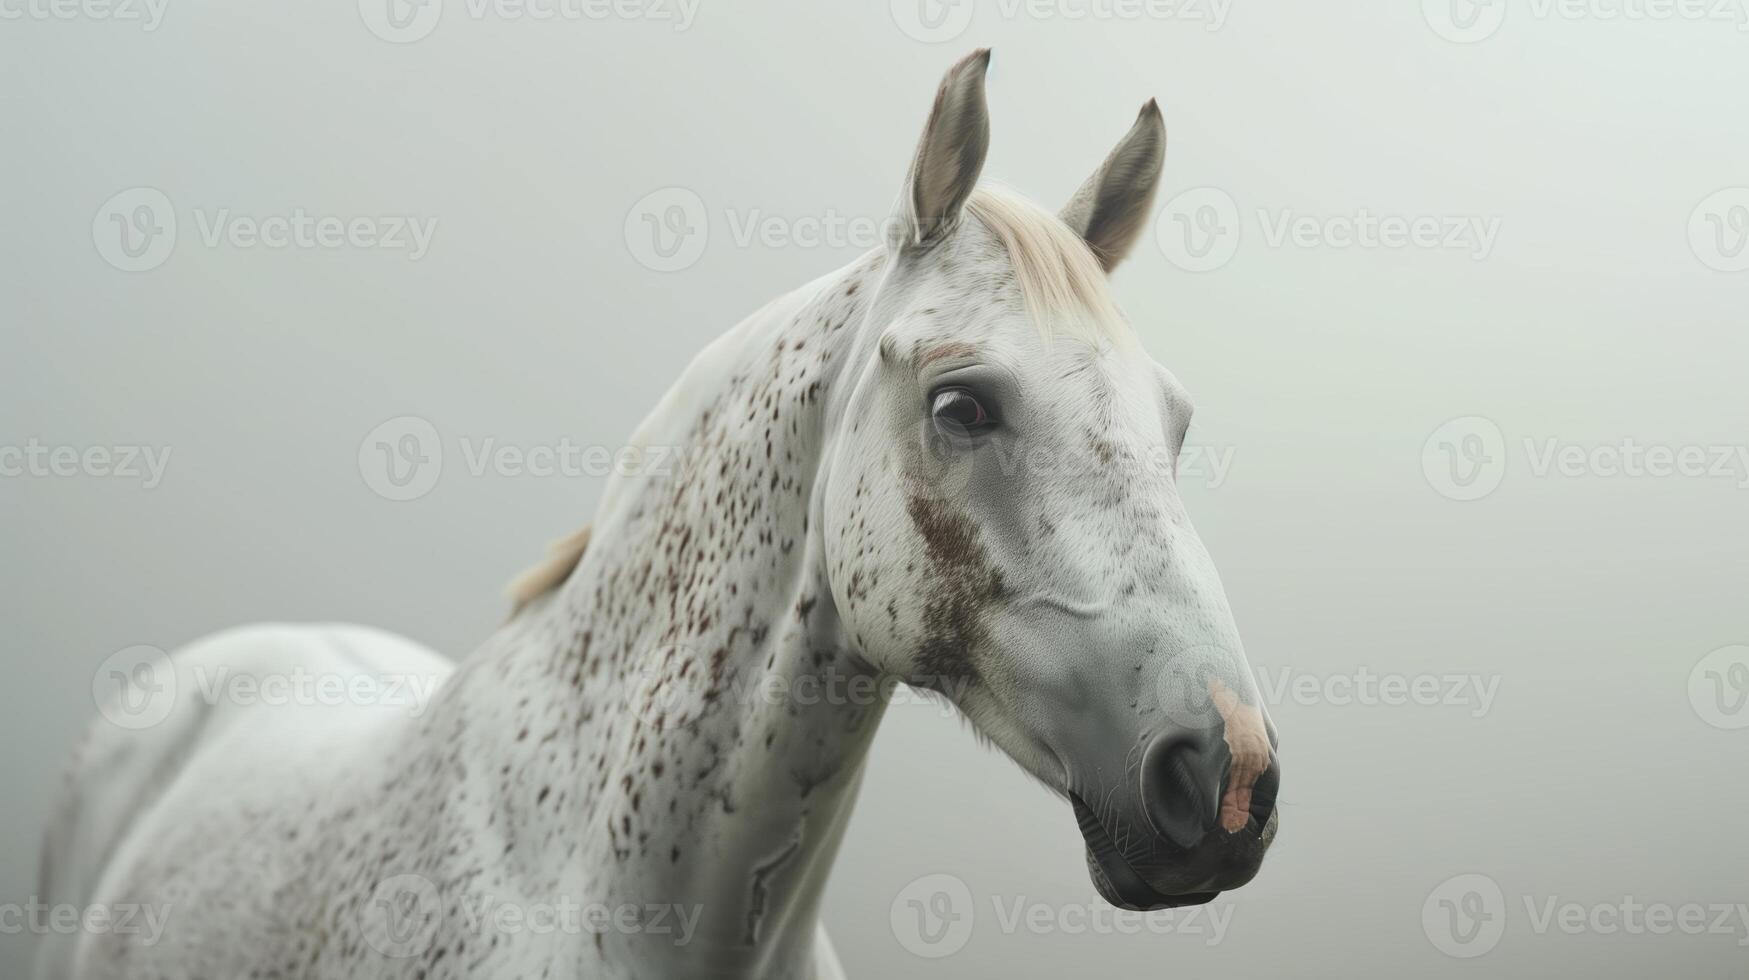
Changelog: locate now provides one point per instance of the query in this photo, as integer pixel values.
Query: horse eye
(959, 412)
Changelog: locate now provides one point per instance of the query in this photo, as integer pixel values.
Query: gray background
(1601, 770)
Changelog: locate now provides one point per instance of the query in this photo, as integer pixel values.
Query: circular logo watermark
(661, 694)
(1187, 687)
(1465, 916)
(667, 229)
(1464, 21)
(932, 21)
(933, 916)
(135, 687)
(1718, 688)
(941, 468)
(402, 458)
(401, 21)
(1198, 230)
(135, 230)
(1465, 459)
(1718, 230)
(401, 917)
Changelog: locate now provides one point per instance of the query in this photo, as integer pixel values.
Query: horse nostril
(1183, 777)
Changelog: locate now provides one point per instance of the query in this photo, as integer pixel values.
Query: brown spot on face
(962, 586)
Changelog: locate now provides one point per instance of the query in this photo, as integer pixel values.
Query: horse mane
(552, 571)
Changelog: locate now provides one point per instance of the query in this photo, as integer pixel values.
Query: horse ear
(950, 155)
(1111, 208)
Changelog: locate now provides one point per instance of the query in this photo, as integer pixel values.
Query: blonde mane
(552, 571)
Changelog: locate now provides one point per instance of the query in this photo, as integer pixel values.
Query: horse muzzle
(1198, 824)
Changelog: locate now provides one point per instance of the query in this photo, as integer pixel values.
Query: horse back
(124, 775)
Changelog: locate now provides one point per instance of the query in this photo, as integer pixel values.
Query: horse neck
(692, 669)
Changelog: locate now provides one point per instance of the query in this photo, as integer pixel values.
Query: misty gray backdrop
(1459, 290)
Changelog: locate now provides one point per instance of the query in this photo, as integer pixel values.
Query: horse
(947, 465)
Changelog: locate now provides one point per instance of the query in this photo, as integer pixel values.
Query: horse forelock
(1060, 279)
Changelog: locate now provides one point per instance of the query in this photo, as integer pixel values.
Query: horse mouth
(1117, 880)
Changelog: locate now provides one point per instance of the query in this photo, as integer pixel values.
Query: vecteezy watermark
(39, 460)
(404, 914)
(142, 922)
(147, 13)
(667, 229)
(136, 230)
(1466, 916)
(1718, 688)
(403, 458)
(1364, 688)
(1474, 21)
(677, 680)
(137, 687)
(934, 917)
(1201, 230)
(935, 21)
(1467, 458)
(1191, 686)
(1718, 230)
(1550, 457)
(406, 21)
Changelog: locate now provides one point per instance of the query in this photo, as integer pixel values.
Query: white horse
(947, 464)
